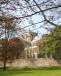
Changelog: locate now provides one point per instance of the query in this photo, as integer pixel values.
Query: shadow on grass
(42, 68)
(27, 69)
(9, 70)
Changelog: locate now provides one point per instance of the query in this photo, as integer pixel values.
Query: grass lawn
(31, 72)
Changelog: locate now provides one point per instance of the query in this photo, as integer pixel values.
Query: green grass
(51, 71)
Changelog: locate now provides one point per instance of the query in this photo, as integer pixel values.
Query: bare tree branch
(44, 14)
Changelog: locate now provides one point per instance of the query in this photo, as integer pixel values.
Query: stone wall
(42, 62)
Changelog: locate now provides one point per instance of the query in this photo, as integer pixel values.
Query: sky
(40, 28)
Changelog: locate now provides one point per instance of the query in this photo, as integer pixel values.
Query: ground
(31, 72)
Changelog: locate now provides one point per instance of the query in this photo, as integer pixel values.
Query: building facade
(31, 51)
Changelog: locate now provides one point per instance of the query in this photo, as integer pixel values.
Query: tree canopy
(51, 44)
(48, 12)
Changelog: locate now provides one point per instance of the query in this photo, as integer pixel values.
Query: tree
(50, 44)
(7, 26)
(17, 46)
(11, 50)
(44, 45)
(48, 10)
(36, 8)
(56, 37)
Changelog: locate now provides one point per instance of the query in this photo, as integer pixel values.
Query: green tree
(51, 44)
(56, 37)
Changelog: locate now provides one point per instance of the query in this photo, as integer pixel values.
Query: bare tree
(35, 7)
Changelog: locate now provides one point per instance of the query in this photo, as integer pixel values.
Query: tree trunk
(5, 59)
(4, 64)
(5, 48)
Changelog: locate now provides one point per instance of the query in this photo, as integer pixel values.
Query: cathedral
(31, 49)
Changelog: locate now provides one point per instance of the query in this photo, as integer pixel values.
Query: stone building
(31, 51)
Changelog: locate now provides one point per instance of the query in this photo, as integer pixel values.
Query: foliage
(10, 50)
(51, 44)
